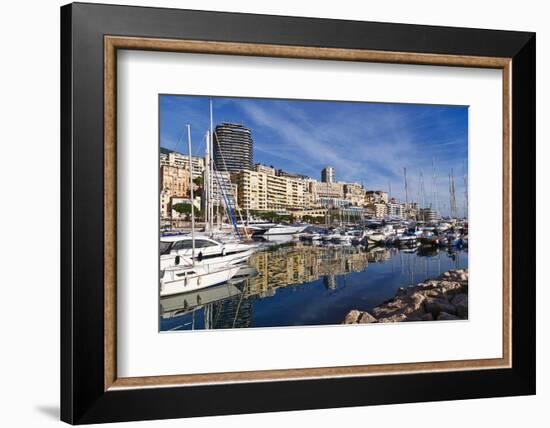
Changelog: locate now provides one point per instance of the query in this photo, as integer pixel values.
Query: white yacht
(176, 280)
(341, 238)
(376, 238)
(312, 236)
(280, 229)
(329, 237)
(442, 227)
(178, 250)
(279, 239)
(407, 239)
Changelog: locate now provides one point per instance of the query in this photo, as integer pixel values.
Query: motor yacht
(177, 279)
(178, 250)
(280, 229)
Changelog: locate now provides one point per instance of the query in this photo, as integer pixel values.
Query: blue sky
(367, 143)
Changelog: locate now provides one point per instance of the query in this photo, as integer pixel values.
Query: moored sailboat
(176, 278)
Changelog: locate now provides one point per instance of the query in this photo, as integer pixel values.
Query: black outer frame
(83, 399)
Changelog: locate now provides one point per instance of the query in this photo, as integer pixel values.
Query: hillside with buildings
(257, 188)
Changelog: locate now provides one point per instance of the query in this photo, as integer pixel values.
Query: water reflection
(301, 284)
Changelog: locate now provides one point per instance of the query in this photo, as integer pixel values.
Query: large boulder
(394, 318)
(431, 283)
(436, 305)
(359, 317)
(460, 302)
(366, 318)
(457, 275)
(416, 303)
(420, 317)
(389, 308)
(450, 287)
(444, 316)
(401, 307)
(352, 317)
(427, 317)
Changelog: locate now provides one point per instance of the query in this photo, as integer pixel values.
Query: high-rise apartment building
(269, 170)
(262, 191)
(376, 196)
(233, 148)
(180, 160)
(174, 182)
(396, 209)
(252, 190)
(326, 190)
(355, 193)
(284, 192)
(224, 192)
(380, 209)
(428, 214)
(328, 175)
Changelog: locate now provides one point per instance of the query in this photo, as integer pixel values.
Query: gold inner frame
(113, 43)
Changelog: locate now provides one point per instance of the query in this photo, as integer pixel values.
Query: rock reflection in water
(298, 284)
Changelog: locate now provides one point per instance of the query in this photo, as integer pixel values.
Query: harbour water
(299, 284)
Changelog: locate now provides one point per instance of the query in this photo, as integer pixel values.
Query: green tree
(183, 208)
(197, 181)
(308, 219)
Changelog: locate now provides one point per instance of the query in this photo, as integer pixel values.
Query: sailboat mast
(452, 194)
(406, 192)
(454, 197)
(206, 184)
(450, 197)
(422, 189)
(434, 187)
(209, 186)
(191, 194)
(211, 142)
(465, 190)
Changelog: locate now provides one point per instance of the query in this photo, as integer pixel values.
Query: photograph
(285, 213)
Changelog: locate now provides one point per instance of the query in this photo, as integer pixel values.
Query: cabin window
(165, 247)
(182, 245)
(201, 243)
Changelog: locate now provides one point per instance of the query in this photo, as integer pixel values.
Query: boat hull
(376, 239)
(284, 230)
(175, 305)
(197, 281)
(214, 261)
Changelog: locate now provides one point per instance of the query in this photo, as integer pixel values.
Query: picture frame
(91, 391)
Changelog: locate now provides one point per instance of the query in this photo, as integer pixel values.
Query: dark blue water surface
(297, 284)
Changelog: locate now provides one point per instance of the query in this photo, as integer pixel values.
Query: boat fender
(199, 281)
(177, 260)
(223, 251)
(199, 257)
(185, 281)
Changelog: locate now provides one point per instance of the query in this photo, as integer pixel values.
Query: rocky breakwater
(443, 298)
